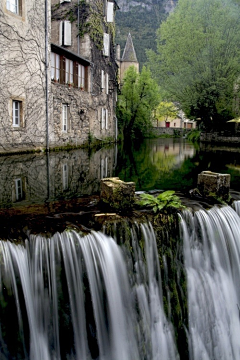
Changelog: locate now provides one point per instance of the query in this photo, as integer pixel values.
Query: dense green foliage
(139, 96)
(162, 202)
(142, 23)
(197, 59)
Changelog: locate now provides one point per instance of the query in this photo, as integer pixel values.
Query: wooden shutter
(106, 42)
(110, 11)
(67, 33)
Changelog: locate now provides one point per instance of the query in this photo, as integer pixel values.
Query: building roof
(129, 51)
(69, 54)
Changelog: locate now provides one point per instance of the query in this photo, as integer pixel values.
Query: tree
(139, 96)
(166, 110)
(197, 59)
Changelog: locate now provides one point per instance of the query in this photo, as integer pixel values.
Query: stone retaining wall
(218, 138)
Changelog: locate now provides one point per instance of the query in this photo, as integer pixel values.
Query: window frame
(65, 118)
(16, 120)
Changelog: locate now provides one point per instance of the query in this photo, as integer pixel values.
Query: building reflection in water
(36, 178)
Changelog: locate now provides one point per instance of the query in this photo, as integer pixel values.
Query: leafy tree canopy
(139, 96)
(197, 59)
(166, 110)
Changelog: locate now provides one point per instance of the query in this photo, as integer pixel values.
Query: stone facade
(22, 75)
(79, 48)
(91, 105)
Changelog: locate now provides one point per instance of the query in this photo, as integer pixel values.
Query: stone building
(128, 58)
(67, 52)
(83, 71)
(22, 74)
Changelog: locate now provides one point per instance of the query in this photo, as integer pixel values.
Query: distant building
(58, 89)
(180, 122)
(128, 59)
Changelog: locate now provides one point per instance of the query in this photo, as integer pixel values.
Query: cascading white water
(82, 298)
(212, 262)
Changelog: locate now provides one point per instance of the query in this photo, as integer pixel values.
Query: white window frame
(18, 189)
(55, 66)
(16, 113)
(65, 118)
(81, 76)
(103, 119)
(13, 6)
(68, 71)
(65, 176)
(102, 79)
(106, 119)
(106, 85)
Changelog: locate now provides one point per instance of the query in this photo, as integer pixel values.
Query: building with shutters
(83, 71)
(58, 73)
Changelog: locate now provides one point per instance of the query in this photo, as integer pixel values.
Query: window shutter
(67, 33)
(61, 1)
(106, 121)
(103, 119)
(102, 80)
(60, 32)
(110, 11)
(106, 42)
(106, 76)
(106, 166)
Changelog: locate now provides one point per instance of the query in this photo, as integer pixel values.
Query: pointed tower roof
(129, 51)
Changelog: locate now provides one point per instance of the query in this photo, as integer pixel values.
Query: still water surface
(154, 164)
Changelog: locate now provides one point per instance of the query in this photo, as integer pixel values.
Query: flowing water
(78, 297)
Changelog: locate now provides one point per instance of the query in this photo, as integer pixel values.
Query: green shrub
(162, 202)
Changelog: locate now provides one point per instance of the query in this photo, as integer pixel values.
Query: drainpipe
(78, 29)
(46, 72)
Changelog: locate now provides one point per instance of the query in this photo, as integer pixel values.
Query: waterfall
(80, 297)
(212, 262)
(96, 297)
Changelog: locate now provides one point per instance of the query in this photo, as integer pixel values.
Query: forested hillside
(141, 18)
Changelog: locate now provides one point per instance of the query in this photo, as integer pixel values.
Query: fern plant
(163, 201)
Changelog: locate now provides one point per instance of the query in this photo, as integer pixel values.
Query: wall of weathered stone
(22, 75)
(217, 137)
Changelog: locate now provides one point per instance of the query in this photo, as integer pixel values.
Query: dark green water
(175, 164)
(152, 164)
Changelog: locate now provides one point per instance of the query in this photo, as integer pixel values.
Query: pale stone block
(117, 193)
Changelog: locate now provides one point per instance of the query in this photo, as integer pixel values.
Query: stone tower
(128, 59)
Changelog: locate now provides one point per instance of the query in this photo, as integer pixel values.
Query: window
(15, 6)
(68, 71)
(55, 67)
(65, 118)
(65, 37)
(102, 80)
(104, 119)
(81, 76)
(18, 189)
(16, 113)
(65, 176)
